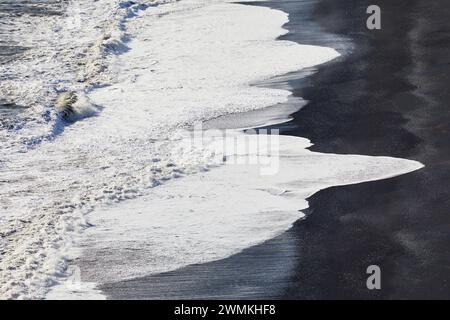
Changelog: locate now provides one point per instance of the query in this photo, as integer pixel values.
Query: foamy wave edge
(40, 248)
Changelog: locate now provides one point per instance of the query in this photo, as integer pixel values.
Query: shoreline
(218, 279)
(165, 236)
(386, 98)
(348, 228)
(242, 275)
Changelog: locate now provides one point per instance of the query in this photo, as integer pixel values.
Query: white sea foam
(212, 215)
(185, 62)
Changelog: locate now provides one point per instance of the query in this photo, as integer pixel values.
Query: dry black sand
(388, 97)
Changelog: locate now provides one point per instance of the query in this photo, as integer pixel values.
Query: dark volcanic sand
(388, 97)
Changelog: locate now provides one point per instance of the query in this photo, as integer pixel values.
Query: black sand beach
(388, 97)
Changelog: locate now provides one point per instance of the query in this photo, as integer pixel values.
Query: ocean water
(12, 48)
(116, 189)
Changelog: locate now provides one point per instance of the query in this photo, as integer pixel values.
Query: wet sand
(388, 97)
